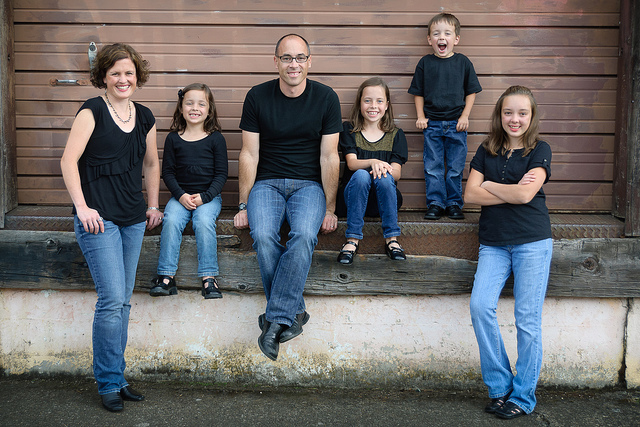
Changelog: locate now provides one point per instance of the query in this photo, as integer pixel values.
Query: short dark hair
(107, 57)
(211, 123)
(293, 35)
(446, 17)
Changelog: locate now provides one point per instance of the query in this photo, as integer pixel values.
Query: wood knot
(590, 264)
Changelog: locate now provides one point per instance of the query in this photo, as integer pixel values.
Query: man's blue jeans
(112, 258)
(284, 269)
(356, 196)
(444, 145)
(176, 218)
(530, 263)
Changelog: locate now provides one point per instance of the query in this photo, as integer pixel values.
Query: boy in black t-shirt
(444, 87)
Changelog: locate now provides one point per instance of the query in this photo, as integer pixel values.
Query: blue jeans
(176, 218)
(444, 145)
(530, 264)
(112, 258)
(283, 269)
(356, 196)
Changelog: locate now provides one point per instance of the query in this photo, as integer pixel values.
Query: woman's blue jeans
(112, 258)
(530, 263)
(356, 196)
(443, 144)
(203, 218)
(284, 269)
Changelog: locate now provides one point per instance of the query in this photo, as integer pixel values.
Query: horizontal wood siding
(566, 52)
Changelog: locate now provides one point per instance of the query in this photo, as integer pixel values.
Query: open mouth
(442, 47)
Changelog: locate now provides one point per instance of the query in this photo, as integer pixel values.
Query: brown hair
(211, 123)
(355, 115)
(107, 57)
(446, 17)
(497, 141)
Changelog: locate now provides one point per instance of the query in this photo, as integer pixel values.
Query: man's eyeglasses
(287, 59)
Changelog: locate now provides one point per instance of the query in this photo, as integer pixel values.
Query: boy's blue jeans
(112, 258)
(284, 269)
(203, 218)
(444, 145)
(530, 263)
(356, 196)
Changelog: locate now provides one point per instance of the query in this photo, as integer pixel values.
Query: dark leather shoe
(394, 252)
(296, 328)
(495, 404)
(269, 340)
(163, 286)
(434, 212)
(346, 256)
(127, 393)
(112, 401)
(454, 212)
(509, 411)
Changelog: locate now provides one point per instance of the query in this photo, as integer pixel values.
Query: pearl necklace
(114, 110)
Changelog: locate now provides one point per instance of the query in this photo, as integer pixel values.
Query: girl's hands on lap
(186, 200)
(380, 169)
(91, 220)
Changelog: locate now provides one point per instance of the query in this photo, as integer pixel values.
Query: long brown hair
(211, 123)
(107, 57)
(355, 115)
(497, 141)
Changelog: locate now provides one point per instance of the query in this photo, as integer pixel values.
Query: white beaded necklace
(114, 110)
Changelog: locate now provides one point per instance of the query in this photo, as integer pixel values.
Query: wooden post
(8, 174)
(632, 221)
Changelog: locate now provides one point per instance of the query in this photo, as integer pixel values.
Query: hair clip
(180, 94)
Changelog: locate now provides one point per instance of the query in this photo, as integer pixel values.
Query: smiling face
(516, 117)
(121, 79)
(195, 107)
(442, 38)
(293, 76)
(373, 104)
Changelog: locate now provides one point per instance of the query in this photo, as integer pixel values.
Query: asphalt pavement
(75, 402)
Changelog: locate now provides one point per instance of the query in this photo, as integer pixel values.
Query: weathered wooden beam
(598, 268)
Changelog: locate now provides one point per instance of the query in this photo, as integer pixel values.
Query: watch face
(242, 206)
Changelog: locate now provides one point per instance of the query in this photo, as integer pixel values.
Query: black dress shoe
(495, 404)
(269, 340)
(346, 256)
(509, 411)
(127, 393)
(163, 286)
(434, 212)
(454, 212)
(395, 252)
(112, 401)
(296, 328)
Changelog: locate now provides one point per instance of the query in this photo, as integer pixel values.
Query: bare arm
(488, 193)
(247, 170)
(330, 173)
(463, 120)
(422, 121)
(81, 130)
(151, 171)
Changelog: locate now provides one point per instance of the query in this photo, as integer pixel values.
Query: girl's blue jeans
(530, 263)
(203, 218)
(356, 196)
(284, 269)
(112, 258)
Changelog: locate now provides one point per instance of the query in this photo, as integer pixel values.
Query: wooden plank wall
(566, 52)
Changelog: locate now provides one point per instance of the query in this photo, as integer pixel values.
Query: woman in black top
(111, 145)
(506, 178)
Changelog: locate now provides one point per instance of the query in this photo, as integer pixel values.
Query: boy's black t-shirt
(444, 83)
(290, 129)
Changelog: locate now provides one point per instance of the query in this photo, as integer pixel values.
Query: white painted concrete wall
(407, 341)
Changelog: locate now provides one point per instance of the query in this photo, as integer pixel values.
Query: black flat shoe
(269, 340)
(396, 252)
(127, 393)
(296, 328)
(163, 286)
(210, 289)
(112, 401)
(346, 256)
(510, 411)
(496, 403)
(454, 212)
(434, 212)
